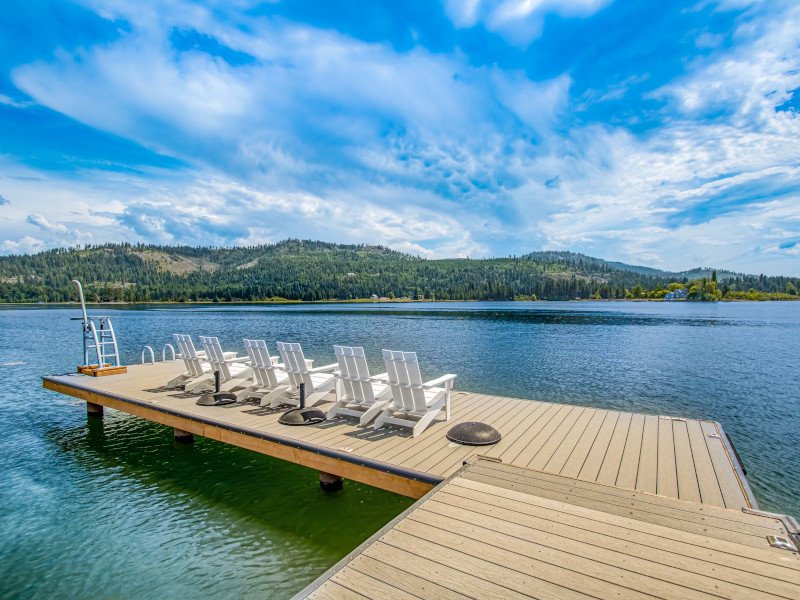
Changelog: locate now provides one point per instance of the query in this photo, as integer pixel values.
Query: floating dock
(573, 502)
(680, 458)
(499, 531)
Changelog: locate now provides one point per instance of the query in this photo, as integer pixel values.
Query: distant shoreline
(362, 301)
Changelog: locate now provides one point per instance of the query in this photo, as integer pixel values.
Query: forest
(314, 271)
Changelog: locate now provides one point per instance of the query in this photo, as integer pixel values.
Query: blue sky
(664, 134)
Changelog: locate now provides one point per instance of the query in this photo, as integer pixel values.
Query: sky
(664, 134)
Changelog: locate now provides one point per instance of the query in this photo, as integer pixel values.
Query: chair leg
(275, 396)
(312, 399)
(387, 412)
(423, 423)
(247, 392)
(334, 410)
(370, 413)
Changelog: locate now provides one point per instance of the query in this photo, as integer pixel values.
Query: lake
(115, 508)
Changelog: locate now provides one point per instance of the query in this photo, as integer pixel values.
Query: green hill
(311, 270)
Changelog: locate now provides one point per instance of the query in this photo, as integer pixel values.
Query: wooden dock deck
(679, 458)
(500, 531)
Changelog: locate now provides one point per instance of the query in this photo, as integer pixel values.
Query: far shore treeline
(312, 271)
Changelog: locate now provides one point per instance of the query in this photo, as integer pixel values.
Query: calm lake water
(114, 508)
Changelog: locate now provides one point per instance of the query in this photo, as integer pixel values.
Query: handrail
(152, 356)
(164, 353)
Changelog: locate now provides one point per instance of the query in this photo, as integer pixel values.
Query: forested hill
(309, 270)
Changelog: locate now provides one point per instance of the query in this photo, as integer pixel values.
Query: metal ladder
(98, 336)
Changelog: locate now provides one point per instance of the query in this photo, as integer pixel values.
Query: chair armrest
(226, 354)
(380, 377)
(324, 369)
(275, 360)
(439, 381)
(244, 360)
(309, 362)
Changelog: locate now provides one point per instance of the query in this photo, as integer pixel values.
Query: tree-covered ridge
(311, 270)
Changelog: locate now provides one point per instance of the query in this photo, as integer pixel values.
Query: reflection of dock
(565, 471)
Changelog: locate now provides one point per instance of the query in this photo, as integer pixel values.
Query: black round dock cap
(473, 434)
(216, 399)
(302, 416)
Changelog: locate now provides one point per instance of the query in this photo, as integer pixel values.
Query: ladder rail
(95, 338)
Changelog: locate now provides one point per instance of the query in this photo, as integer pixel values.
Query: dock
(499, 531)
(573, 502)
(670, 456)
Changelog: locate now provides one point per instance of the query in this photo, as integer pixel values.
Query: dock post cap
(472, 433)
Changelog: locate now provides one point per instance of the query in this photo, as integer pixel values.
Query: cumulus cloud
(285, 129)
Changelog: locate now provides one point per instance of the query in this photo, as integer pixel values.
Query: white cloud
(45, 225)
(519, 21)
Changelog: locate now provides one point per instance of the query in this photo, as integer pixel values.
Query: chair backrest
(405, 379)
(354, 374)
(188, 354)
(216, 357)
(261, 362)
(294, 363)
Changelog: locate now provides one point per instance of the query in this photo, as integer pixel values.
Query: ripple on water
(115, 508)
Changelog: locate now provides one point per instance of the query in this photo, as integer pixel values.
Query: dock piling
(183, 437)
(330, 482)
(94, 410)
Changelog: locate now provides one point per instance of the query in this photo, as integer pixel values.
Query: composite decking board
(436, 448)
(628, 469)
(512, 474)
(534, 568)
(598, 531)
(501, 421)
(667, 480)
(612, 459)
(515, 441)
(675, 519)
(451, 570)
(334, 591)
(715, 549)
(369, 586)
(647, 474)
(513, 436)
(424, 445)
(403, 579)
(731, 490)
(577, 418)
(587, 443)
(446, 457)
(612, 565)
(577, 458)
(543, 430)
(686, 471)
(517, 577)
(391, 448)
(707, 480)
(558, 460)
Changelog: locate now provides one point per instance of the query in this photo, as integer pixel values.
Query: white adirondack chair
(318, 381)
(418, 402)
(269, 379)
(197, 367)
(357, 394)
(232, 370)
